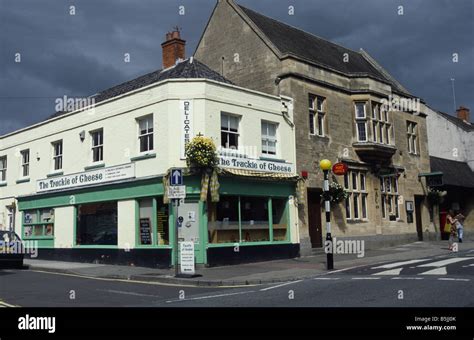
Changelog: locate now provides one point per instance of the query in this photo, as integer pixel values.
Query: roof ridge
(299, 29)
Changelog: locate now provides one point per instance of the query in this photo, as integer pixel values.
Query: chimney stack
(173, 48)
(463, 113)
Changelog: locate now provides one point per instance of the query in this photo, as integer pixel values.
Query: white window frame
(149, 125)
(317, 115)
(99, 146)
(3, 168)
(361, 120)
(381, 126)
(412, 137)
(25, 163)
(57, 157)
(359, 193)
(265, 138)
(390, 194)
(228, 132)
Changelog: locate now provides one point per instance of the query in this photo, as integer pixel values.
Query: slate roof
(457, 121)
(454, 173)
(290, 40)
(189, 68)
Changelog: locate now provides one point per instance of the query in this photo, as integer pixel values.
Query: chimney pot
(463, 113)
(173, 49)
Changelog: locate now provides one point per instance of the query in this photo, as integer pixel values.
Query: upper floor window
(25, 163)
(57, 155)
(381, 127)
(361, 121)
(3, 168)
(97, 145)
(316, 115)
(145, 133)
(412, 137)
(269, 138)
(229, 131)
(356, 202)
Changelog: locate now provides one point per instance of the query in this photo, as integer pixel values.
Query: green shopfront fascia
(128, 223)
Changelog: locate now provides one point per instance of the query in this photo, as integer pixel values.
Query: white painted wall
(126, 224)
(63, 237)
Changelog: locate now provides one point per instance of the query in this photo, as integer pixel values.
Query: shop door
(419, 225)
(314, 218)
(189, 230)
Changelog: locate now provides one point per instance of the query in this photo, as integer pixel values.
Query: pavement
(252, 273)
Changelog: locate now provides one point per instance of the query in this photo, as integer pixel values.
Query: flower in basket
(201, 152)
(337, 193)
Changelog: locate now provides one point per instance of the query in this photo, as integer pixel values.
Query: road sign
(176, 177)
(177, 192)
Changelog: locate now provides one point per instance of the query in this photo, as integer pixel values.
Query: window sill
(54, 174)
(23, 180)
(3, 184)
(142, 157)
(94, 166)
(318, 137)
(272, 159)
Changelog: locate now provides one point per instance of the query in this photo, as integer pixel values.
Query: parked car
(11, 250)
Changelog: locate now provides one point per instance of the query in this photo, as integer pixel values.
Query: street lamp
(325, 165)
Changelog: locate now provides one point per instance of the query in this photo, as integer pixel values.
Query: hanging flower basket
(337, 193)
(436, 197)
(201, 153)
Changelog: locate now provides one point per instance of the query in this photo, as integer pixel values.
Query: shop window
(229, 131)
(153, 231)
(57, 155)
(3, 169)
(145, 133)
(25, 163)
(279, 219)
(269, 138)
(97, 146)
(38, 223)
(162, 221)
(145, 225)
(247, 219)
(254, 213)
(224, 220)
(97, 224)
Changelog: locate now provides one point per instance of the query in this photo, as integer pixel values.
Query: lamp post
(325, 165)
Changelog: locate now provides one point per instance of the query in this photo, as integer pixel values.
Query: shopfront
(129, 222)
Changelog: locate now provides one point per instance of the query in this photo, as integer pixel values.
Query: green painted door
(189, 230)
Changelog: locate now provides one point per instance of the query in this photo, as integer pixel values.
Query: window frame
(356, 196)
(57, 158)
(267, 138)
(148, 135)
(381, 126)
(317, 114)
(25, 163)
(412, 137)
(99, 147)
(390, 195)
(228, 131)
(3, 168)
(38, 223)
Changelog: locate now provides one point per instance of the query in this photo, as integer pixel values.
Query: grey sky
(83, 54)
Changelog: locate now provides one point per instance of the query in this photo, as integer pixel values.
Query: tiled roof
(290, 40)
(187, 69)
(454, 173)
(458, 122)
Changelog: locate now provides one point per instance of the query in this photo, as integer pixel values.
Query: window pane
(311, 123)
(145, 225)
(387, 134)
(320, 104)
(362, 181)
(30, 216)
(396, 207)
(46, 215)
(320, 125)
(346, 181)
(348, 207)
(97, 224)
(374, 110)
(354, 180)
(374, 131)
(360, 110)
(223, 222)
(224, 121)
(280, 219)
(254, 214)
(233, 123)
(311, 101)
(162, 223)
(384, 212)
(361, 128)
(356, 206)
(364, 206)
(381, 133)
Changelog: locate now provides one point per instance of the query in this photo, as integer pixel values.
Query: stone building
(347, 108)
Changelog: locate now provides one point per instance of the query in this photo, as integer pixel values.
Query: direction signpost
(176, 192)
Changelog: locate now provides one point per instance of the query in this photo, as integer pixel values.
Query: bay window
(361, 121)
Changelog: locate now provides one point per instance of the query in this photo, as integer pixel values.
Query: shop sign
(256, 165)
(145, 231)
(187, 134)
(93, 177)
(339, 169)
(187, 258)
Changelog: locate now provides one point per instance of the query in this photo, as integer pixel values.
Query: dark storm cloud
(83, 54)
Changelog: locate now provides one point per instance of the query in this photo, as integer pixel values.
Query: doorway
(189, 228)
(314, 218)
(419, 225)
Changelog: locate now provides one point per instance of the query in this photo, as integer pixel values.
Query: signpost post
(176, 192)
